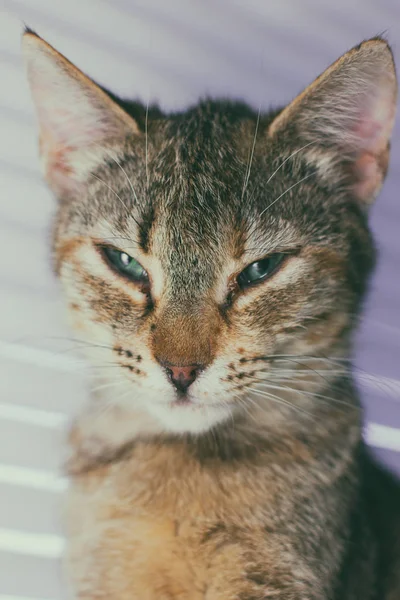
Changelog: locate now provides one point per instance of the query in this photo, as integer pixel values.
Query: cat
(214, 263)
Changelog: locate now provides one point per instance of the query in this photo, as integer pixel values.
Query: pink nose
(183, 377)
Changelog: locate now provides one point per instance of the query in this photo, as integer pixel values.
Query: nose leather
(183, 377)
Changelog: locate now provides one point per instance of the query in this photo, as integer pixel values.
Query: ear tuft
(348, 112)
(28, 30)
(76, 117)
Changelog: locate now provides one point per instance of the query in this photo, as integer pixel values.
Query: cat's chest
(167, 494)
(167, 490)
(161, 504)
(152, 515)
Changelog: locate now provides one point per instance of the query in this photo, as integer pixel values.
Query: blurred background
(262, 51)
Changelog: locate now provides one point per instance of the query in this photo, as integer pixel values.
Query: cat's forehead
(203, 185)
(191, 227)
(208, 205)
(186, 210)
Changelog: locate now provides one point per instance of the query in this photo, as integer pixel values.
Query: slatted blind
(175, 51)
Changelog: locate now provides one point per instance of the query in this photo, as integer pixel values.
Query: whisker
(308, 393)
(119, 398)
(82, 342)
(146, 145)
(243, 403)
(122, 169)
(383, 383)
(279, 400)
(286, 191)
(210, 429)
(111, 190)
(256, 224)
(248, 170)
(273, 357)
(361, 376)
(84, 367)
(108, 385)
(302, 364)
(286, 160)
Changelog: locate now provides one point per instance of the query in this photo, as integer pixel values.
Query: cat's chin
(188, 417)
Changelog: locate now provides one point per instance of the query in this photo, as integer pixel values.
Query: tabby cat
(214, 262)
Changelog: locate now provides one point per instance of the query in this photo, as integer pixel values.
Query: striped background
(264, 51)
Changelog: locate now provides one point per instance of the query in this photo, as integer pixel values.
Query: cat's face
(211, 253)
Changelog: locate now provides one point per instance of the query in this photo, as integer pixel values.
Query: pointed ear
(77, 119)
(346, 116)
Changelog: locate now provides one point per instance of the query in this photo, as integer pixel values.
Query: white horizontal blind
(174, 52)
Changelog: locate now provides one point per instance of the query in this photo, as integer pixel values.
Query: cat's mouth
(183, 400)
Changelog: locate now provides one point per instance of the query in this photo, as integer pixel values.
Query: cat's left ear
(79, 123)
(345, 119)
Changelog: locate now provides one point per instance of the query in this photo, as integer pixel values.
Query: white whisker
(147, 145)
(306, 393)
(122, 169)
(279, 400)
(286, 191)
(111, 190)
(248, 170)
(288, 158)
(104, 386)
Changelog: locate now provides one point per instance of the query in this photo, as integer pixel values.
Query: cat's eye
(260, 270)
(125, 264)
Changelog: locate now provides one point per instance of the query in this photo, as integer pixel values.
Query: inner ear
(347, 115)
(77, 119)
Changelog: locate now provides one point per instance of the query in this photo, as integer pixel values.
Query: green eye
(260, 270)
(125, 264)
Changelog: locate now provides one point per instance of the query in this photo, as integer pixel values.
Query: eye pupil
(125, 264)
(260, 270)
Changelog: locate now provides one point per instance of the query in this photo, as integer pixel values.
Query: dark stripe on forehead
(146, 227)
(195, 175)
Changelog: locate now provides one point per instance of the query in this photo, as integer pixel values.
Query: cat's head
(212, 252)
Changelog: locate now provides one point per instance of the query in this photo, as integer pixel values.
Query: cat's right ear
(78, 121)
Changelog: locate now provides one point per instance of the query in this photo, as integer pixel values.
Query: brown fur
(201, 523)
(255, 483)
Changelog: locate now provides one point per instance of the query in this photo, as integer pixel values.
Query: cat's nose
(183, 377)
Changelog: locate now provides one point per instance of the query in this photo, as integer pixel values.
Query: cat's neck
(104, 434)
